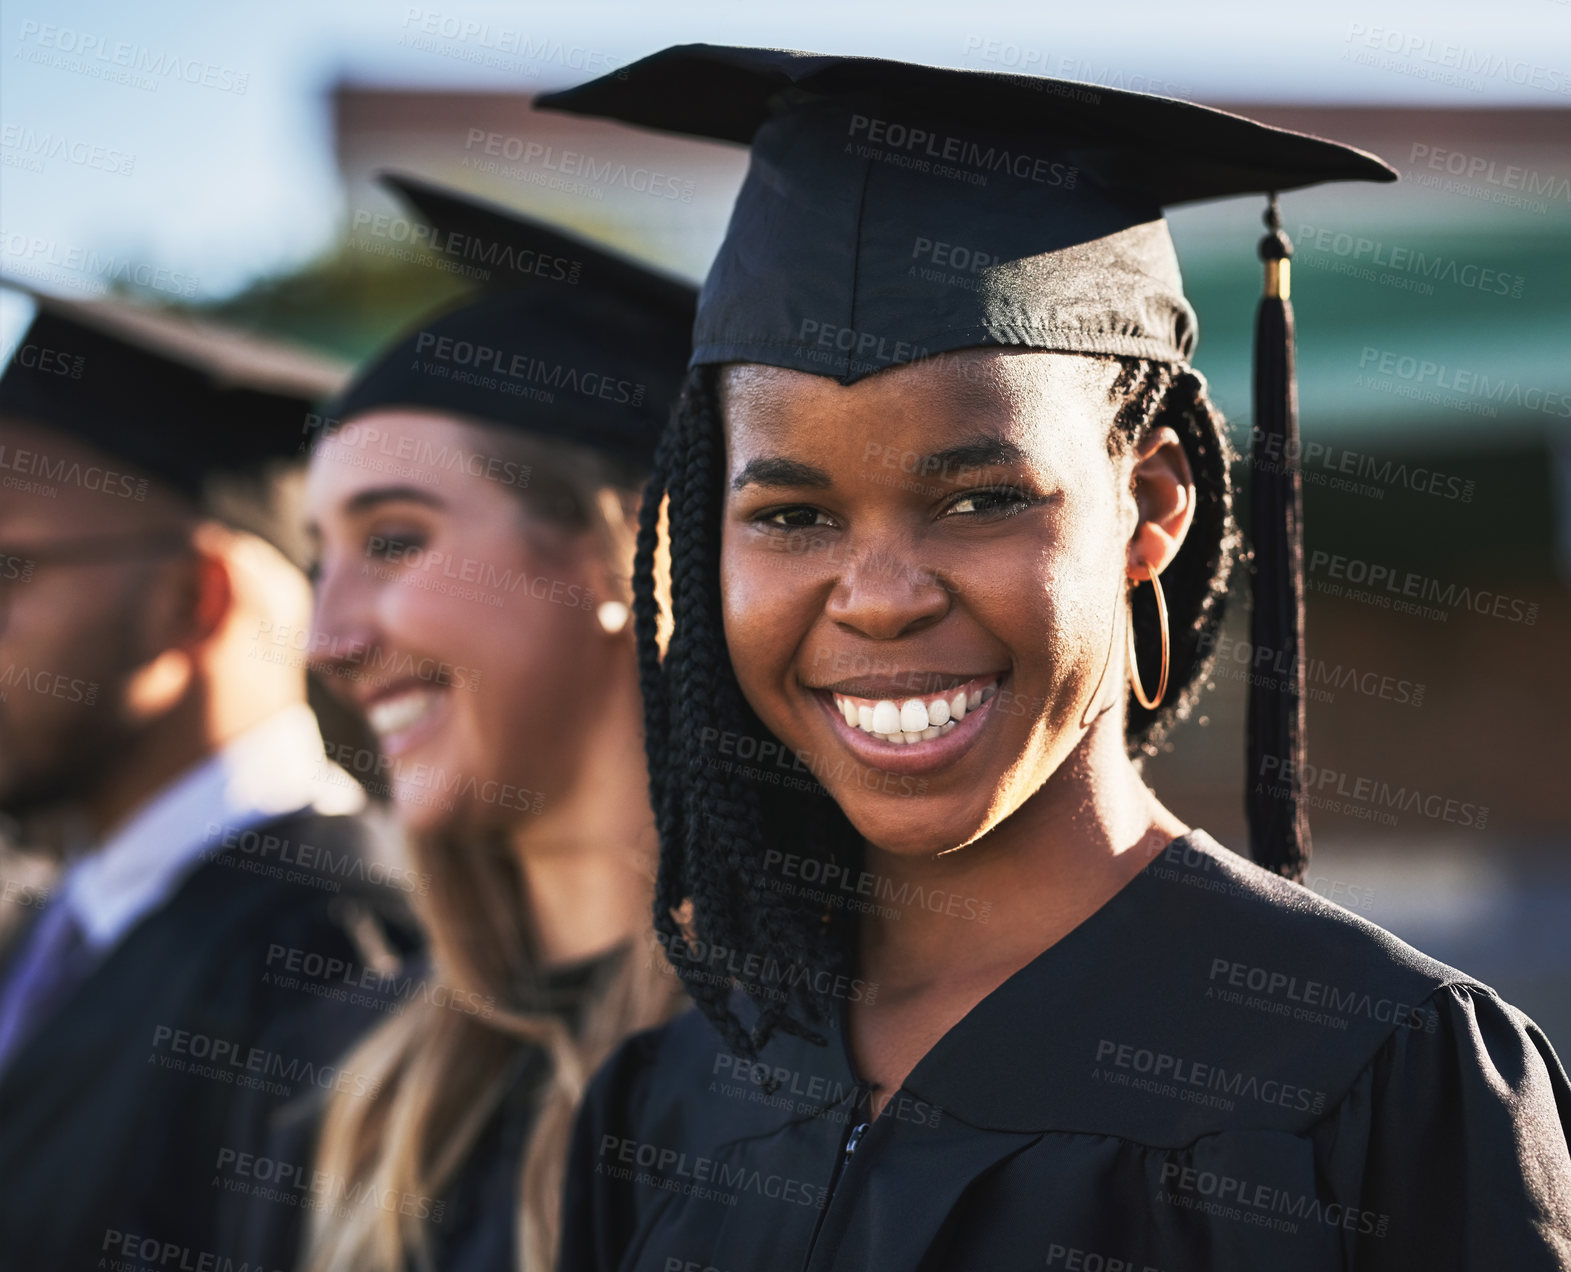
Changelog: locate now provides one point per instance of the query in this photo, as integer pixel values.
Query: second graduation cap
(893, 211)
(183, 399)
(566, 339)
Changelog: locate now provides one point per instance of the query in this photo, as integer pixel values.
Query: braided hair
(1154, 394)
(714, 893)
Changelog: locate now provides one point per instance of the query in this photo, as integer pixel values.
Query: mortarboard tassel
(1278, 820)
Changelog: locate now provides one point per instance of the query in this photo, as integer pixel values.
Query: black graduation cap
(181, 399)
(566, 339)
(894, 211)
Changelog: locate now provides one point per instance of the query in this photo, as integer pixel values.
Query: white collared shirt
(273, 769)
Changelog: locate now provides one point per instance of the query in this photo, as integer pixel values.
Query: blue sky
(212, 185)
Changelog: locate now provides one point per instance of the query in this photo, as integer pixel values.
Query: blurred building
(664, 198)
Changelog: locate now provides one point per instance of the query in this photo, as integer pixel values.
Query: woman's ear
(1164, 490)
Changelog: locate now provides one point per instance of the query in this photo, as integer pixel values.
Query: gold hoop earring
(1150, 704)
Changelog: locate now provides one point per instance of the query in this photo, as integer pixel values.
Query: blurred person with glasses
(155, 738)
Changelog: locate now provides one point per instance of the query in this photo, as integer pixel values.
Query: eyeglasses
(19, 562)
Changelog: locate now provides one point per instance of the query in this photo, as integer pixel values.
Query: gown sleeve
(599, 1196)
(1465, 1120)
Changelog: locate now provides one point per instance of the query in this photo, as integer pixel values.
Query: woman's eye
(992, 500)
(393, 547)
(798, 518)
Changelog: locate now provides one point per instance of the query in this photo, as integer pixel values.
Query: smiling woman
(474, 539)
(975, 998)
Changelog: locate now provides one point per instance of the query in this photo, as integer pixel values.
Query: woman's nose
(885, 591)
(343, 622)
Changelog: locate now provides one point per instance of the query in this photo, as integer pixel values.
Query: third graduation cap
(894, 211)
(566, 339)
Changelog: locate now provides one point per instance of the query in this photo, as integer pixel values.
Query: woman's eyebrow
(364, 499)
(773, 470)
(981, 451)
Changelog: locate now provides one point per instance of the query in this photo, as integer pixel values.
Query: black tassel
(1278, 819)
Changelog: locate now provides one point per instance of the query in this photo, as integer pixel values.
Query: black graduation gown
(1217, 1070)
(114, 1113)
(472, 1226)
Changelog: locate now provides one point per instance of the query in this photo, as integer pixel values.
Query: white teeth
(393, 715)
(915, 719)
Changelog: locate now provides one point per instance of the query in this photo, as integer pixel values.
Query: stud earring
(613, 616)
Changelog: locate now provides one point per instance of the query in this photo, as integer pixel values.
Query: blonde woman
(473, 503)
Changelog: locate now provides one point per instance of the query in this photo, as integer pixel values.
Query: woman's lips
(935, 746)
